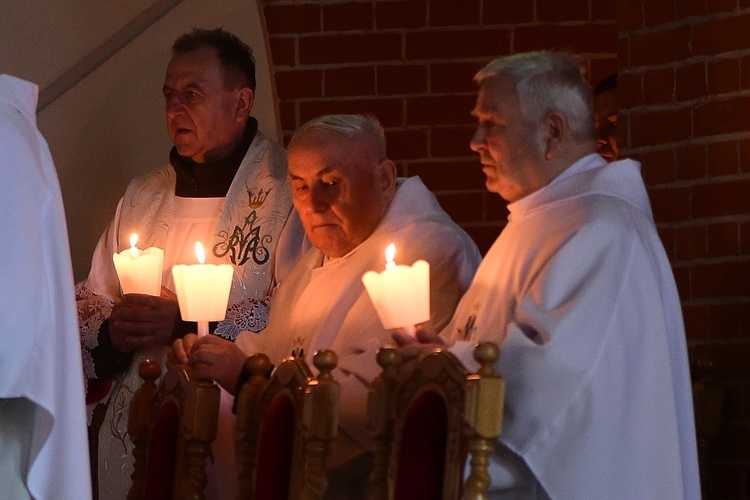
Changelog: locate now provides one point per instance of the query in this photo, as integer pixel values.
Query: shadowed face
(605, 120)
(341, 189)
(205, 120)
(509, 146)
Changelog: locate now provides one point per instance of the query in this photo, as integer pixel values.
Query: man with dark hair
(226, 186)
(605, 118)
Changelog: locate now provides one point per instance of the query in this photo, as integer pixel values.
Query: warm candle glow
(400, 294)
(202, 290)
(139, 271)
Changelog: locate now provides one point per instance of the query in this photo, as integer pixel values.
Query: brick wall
(685, 95)
(411, 63)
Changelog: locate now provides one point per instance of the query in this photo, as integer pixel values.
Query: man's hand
(210, 357)
(413, 345)
(143, 320)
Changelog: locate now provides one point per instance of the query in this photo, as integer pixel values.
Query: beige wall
(110, 126)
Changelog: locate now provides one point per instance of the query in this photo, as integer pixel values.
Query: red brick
(453, 77)
(723, 239)
(602, 10)
(658, 86)
(670, 204)
(447, 142)
(673, 43)
(390, 112)
(658, 12)
(723, 76)
(439, 110)
(402, 79)
(658, 167)
(355, 48)
(406, 144)
(744, 148)
(691, 161)
(629, 15)
(348, 16)
(292, 19)
(403, 15)
(462, 207)
(556, 11)
(696, 321)
(745, 72)
(660, 126)
(691, 242)
(356, 81)
(745, 238)
(725, 320)
(282, 51)
(288, 115)
(582, 38)
(722, 279)
(296, 84)
(718, 35)
(630, 90)
(723, 116)
(717, 6)
(449, 176)
(691, 82)
(447, 44)
(721, 198)
(690, 8)
(452, 13)
(508, 12)
(723, 158)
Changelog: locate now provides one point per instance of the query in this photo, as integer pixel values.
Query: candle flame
(390, 253)
(133, 240)
(200, 253)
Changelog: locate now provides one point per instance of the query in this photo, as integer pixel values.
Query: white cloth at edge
(581, 296)
(328, 308)
(40, 359)
(245, 235)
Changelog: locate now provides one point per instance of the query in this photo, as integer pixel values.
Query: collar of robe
(210, 179)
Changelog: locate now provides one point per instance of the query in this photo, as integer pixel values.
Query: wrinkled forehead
(322, 150)
(497, 96)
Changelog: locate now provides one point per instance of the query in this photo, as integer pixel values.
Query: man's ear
(245, 100)
(387, 173)
(555, 129)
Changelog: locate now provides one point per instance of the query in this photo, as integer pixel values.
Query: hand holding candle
(139, 271)
(202, 290)
(400, 294)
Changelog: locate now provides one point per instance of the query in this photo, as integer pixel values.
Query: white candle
(400, 294)
(139, 271)
(202, 290)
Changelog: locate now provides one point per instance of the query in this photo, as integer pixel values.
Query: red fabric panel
(162, 453)
(421, 456)
(97, 389)
(275, 448)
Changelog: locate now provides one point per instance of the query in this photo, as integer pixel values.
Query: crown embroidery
(256, 199)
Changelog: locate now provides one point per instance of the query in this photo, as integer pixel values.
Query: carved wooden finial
(389, 356)
(486, 353)
(258, 364)
(149, 370)
(325, 361)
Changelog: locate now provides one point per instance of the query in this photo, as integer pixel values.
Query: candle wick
(390, 265)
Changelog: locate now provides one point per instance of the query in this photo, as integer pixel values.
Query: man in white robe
(579, 294)
(352, 207)
(226, 186)
(43, 445)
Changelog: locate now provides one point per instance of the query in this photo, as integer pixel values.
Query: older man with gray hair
(579, 293)
(352, 206)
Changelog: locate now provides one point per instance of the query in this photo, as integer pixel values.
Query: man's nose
(174, 105)
(477, 141)
(319, 198)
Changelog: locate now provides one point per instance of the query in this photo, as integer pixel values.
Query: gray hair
(548, 82)
(348, 125)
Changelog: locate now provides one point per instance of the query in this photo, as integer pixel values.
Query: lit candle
(139, 271)
(400, 294)
(202, 290)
